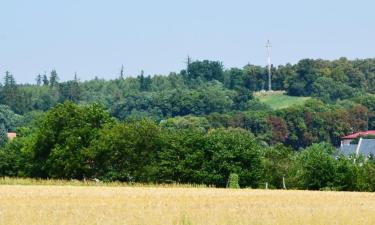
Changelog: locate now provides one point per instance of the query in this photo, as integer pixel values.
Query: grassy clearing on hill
(279, 100)
(158, 205)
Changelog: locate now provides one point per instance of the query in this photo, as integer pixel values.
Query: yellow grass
(60, 182)
(157, 205)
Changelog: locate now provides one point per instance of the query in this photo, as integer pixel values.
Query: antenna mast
(122, 72)
(188, 65)
(268, 46)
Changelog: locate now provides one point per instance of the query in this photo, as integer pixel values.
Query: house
(346, 140)
(365, 147)
(11, 135)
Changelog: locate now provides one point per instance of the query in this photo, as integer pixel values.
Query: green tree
(3, 135)
(233, 181)
(53, 79)
(330, 90)
(10, 119)
(346, 174)
(17, 99)
(234, 78)
(366, 175)
(254, 77)
(9, 92)
(144, 82)
(206, 70)
(307, 71)
(127, 152)
(181, 156)
(231, 151)
(13, 162)
(315, 167)
(70, 91)
(45, 80)
(38, 80)
(277, 162)
(58, 147)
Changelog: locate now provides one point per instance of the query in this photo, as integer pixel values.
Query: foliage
(196, 126)
(126, 152)
(58, 148)
(233, 181)
(186, 122)
(328, 80)
(3, 135)
(277, 162)
(84, 142)
(10, 119)
(231, 151)
(207, 70)
(315, 167)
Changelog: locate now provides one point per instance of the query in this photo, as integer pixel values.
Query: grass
(54, 204)
(60, 182)
(279, 100)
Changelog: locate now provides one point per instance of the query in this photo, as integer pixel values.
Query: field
(279, 100)
(48, 204)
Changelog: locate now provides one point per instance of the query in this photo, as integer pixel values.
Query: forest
(199, 125)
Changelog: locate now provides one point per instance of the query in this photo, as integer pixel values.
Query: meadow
(67, 203)
(279, 100)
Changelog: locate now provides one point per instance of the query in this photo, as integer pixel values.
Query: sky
(95, 37)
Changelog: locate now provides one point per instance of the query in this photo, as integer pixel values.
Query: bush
(233, 181)
(227, 151)
(315, 167)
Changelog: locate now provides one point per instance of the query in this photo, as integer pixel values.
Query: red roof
(11, 135)
(359, 134)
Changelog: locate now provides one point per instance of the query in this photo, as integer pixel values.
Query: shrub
(233, 181)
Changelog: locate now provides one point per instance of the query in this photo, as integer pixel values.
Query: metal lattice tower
(269, 65)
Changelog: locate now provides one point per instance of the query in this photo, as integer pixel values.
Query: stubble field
(159, 205)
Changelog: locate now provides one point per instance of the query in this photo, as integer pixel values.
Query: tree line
(206, 95)
(196, 126)
(84, 142)
(328, 81)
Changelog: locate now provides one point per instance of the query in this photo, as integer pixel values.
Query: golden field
(38, 204)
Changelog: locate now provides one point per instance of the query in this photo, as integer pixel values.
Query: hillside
(279, 100)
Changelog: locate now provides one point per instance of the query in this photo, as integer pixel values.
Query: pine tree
(141, 79)
(9, 92)
(9, 80)
(54, 78)
(45, 80)
(39, 80)
(69, 90)
(75, 77)
(3, 135)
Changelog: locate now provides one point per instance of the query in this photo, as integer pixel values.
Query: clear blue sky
(94, 37)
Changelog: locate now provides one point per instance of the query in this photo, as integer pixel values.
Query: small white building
(365, 147)
(347, 140)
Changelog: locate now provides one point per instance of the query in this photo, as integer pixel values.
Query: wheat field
(29, 204)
